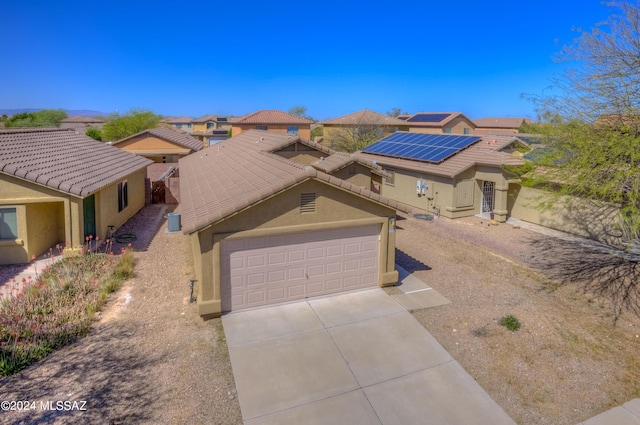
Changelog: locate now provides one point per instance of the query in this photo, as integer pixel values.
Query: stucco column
(500, 210)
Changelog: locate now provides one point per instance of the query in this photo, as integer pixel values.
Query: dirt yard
(568, 362)
(151, 359)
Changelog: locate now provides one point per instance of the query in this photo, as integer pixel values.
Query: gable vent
(307, 202)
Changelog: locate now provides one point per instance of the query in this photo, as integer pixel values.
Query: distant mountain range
(70, 112)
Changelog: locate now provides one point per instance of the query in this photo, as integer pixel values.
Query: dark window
(292, 129)
(210, 125)
(123, 196)
(261, 127)
(8, 223)
(466, 130)
(391, 178)
(447, 130)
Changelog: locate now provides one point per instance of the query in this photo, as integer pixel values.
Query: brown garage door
(272, 269)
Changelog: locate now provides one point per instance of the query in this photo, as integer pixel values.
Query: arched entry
(488, 196)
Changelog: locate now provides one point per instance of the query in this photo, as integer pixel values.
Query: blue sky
(199, 57)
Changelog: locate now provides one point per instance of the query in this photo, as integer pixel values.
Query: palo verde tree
(42, 118)
(593, 152)
(592, 123)
(134, 121)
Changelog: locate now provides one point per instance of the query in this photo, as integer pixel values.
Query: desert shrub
(510, 322)
(58, 307)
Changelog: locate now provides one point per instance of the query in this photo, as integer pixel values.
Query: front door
(89, 212)
(488, 189)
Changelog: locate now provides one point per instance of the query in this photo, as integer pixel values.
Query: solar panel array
(428, 117)
(423, 147)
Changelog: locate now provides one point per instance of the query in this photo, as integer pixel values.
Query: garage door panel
(236, 263)
(314, 271)
(334, 251)
(296, 291)
(351, 265)
(256, 279)
(369, 246)
(351, 282)
(256, 260)
(334, 268)
(296, 255)
(277, 258)
(315, 253)
(314, 289)
(276, 276)
(368, 263)
(278, 268)
(297, 273)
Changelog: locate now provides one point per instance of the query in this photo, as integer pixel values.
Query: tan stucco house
(469, 181)
(265, 229)
(211, 129)
(58, 186)
(438, 122)
(365, 120)
(274, 121)
(161, 145)
(183, 123)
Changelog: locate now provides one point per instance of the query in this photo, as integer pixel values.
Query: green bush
(510, 322)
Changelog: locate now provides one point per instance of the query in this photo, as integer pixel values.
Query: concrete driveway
(355, 358)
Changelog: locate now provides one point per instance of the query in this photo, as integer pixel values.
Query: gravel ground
(151, 359)
(567, 363)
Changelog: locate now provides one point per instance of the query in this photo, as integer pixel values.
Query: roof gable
(64, 160)
(237, 173)
(179, 138)
(365, 117)
(271, 117)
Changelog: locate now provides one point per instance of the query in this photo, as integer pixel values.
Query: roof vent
(307, 202)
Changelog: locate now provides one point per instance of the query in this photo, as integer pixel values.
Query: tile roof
(64, 160)
(208, 117)
(499, 122)
(339, 160)
(179, 120)
(484, 152)
(178, 137)
(449, 116)
(270, 117)
(365, 117)
(232, 175)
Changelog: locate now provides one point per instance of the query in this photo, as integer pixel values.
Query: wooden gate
(157, 192)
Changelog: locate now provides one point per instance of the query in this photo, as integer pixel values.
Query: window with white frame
(8, 223)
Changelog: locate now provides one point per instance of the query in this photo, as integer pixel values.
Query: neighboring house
(364, 121)
(438, 122)
(81, 123)
(211, 129)
(502, 125)
(274, 121)
(163, 145)
(452, 176)
(58, 186)
(181, 123)
(265, 229)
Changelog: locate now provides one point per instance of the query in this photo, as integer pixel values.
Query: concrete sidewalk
(354, 358)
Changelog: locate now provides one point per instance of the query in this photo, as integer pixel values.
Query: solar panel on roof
(428, 117)
(422, 147)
